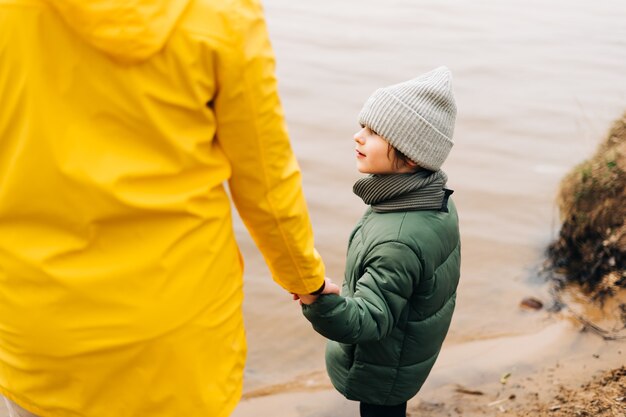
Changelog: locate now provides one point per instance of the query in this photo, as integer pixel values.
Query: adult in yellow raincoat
(120, 278)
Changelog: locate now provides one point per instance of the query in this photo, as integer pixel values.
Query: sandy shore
(603, 394)
(584, 386)
(568, 367)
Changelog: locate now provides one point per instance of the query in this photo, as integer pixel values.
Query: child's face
(373, 155)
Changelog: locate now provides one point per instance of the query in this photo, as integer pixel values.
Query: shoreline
(538, 396)
(533, 374)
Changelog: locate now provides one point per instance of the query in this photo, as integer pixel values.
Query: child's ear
(411, 164)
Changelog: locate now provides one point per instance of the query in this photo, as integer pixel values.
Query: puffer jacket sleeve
(391, 271)
(265, 182)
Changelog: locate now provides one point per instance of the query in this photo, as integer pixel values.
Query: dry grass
(602, 397)
(591, 248)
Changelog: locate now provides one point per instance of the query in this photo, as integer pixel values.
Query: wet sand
(519, 375)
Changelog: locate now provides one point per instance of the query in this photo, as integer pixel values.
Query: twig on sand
(491, 404)
(604, 334)
(594, 328)
(461, 389)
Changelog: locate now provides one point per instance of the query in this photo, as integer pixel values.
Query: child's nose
(358, 137)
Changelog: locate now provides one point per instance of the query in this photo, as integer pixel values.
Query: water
(537, 85)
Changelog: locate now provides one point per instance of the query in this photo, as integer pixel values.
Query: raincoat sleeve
(265, 183)
(392, 271)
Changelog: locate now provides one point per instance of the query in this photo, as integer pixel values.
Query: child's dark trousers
(372, 410)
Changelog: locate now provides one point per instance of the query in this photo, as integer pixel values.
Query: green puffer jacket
(398, 295)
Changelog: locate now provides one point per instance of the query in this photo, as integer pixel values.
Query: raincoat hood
(128, 30)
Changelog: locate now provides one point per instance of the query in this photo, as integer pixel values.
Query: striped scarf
(421, 190)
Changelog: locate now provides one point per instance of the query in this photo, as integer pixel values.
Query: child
(403, 261)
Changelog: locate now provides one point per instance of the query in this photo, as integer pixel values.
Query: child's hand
(329, 288)
(305, 298)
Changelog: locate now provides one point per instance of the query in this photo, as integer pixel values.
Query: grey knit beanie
(416, 117)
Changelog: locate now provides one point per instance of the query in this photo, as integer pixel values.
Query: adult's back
(120, 278)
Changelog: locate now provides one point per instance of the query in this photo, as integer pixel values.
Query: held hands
(329, 288)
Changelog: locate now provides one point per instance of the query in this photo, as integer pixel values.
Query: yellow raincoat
(120, 278)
